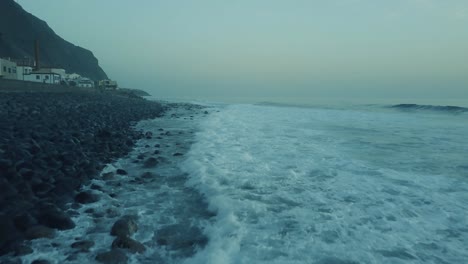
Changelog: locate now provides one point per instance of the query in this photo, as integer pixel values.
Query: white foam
(308, 185)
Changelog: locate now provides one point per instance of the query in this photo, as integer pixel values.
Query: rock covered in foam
(125, 226)
(115, 256)
(128, 244)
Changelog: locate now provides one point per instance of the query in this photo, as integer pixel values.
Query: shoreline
(51, 144)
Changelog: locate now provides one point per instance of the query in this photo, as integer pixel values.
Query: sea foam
(303, 185)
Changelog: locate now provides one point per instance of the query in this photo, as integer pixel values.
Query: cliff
(18, 31)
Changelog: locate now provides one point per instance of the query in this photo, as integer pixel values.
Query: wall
(23, 86)
(50, 78)
(21, 71)
(7, 69)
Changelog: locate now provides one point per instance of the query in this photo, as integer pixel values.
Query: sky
(255, 49)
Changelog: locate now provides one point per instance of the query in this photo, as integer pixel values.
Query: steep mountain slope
(18, 31)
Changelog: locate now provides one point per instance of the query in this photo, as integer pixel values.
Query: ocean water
(308, 185)
(280, 184)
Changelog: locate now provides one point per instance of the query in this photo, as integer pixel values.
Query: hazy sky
(272, 48)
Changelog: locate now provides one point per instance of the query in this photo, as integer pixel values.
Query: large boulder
(86, 197)
(55, 218)
(8, 234)
(115, 256)
(39, 231)
(150, 162)
(128, 244)
(125, 226)
(183, 238)
(83, 245)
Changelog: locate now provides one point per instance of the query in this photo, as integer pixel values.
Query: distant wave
(439, 108)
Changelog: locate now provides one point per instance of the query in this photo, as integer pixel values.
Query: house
(7, 69)
(85, 82)
(61, 72)
(107, 84)
(43, 76)
(21, 71)
(73, 76)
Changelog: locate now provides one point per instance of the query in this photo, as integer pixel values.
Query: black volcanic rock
(18, 31)
(37, 190)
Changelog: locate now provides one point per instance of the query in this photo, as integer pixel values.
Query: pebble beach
(51, 144)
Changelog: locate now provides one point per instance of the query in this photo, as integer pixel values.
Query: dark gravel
(50, 145)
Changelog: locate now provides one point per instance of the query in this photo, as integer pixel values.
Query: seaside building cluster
(28, 70)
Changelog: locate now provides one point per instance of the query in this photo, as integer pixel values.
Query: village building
(7, 69)
(22, 71)
(85, 82)
(73, 76)
(43, 76)
(61, 72)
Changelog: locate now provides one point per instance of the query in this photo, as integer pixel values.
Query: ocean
(370, 184)
(269, 183)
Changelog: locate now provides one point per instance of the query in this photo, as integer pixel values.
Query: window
(38, 77)
(9, 70)
(47, 77)
(4, 68)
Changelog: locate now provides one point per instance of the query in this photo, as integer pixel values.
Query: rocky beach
(52, 144)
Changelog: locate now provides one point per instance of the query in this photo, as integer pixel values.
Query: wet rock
(24, 221)
(96, 187)
(177, 154)
(98, 215)
(128, 244)
(39, 231)
(40, 261)
(23, 250)
(141, 156)
(51, 144)
(121, 172)
(157, 145)
(8, 234)
(108, 176)
(147, 175)
(115, 256)
(148, 135)
(150, 162)
(73, 213)
(111, 213)
(182, 238)
(83, 245)
(86, 197)
(156, 152)
(125, 226)
(72, 257)
(55, 218)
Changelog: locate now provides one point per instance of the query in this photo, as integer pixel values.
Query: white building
(85, 82)
(22, 71)
(73, 76)
(61, 72)
(7, 69)
(43, 76)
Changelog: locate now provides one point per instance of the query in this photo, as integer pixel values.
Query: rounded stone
(115, 256)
